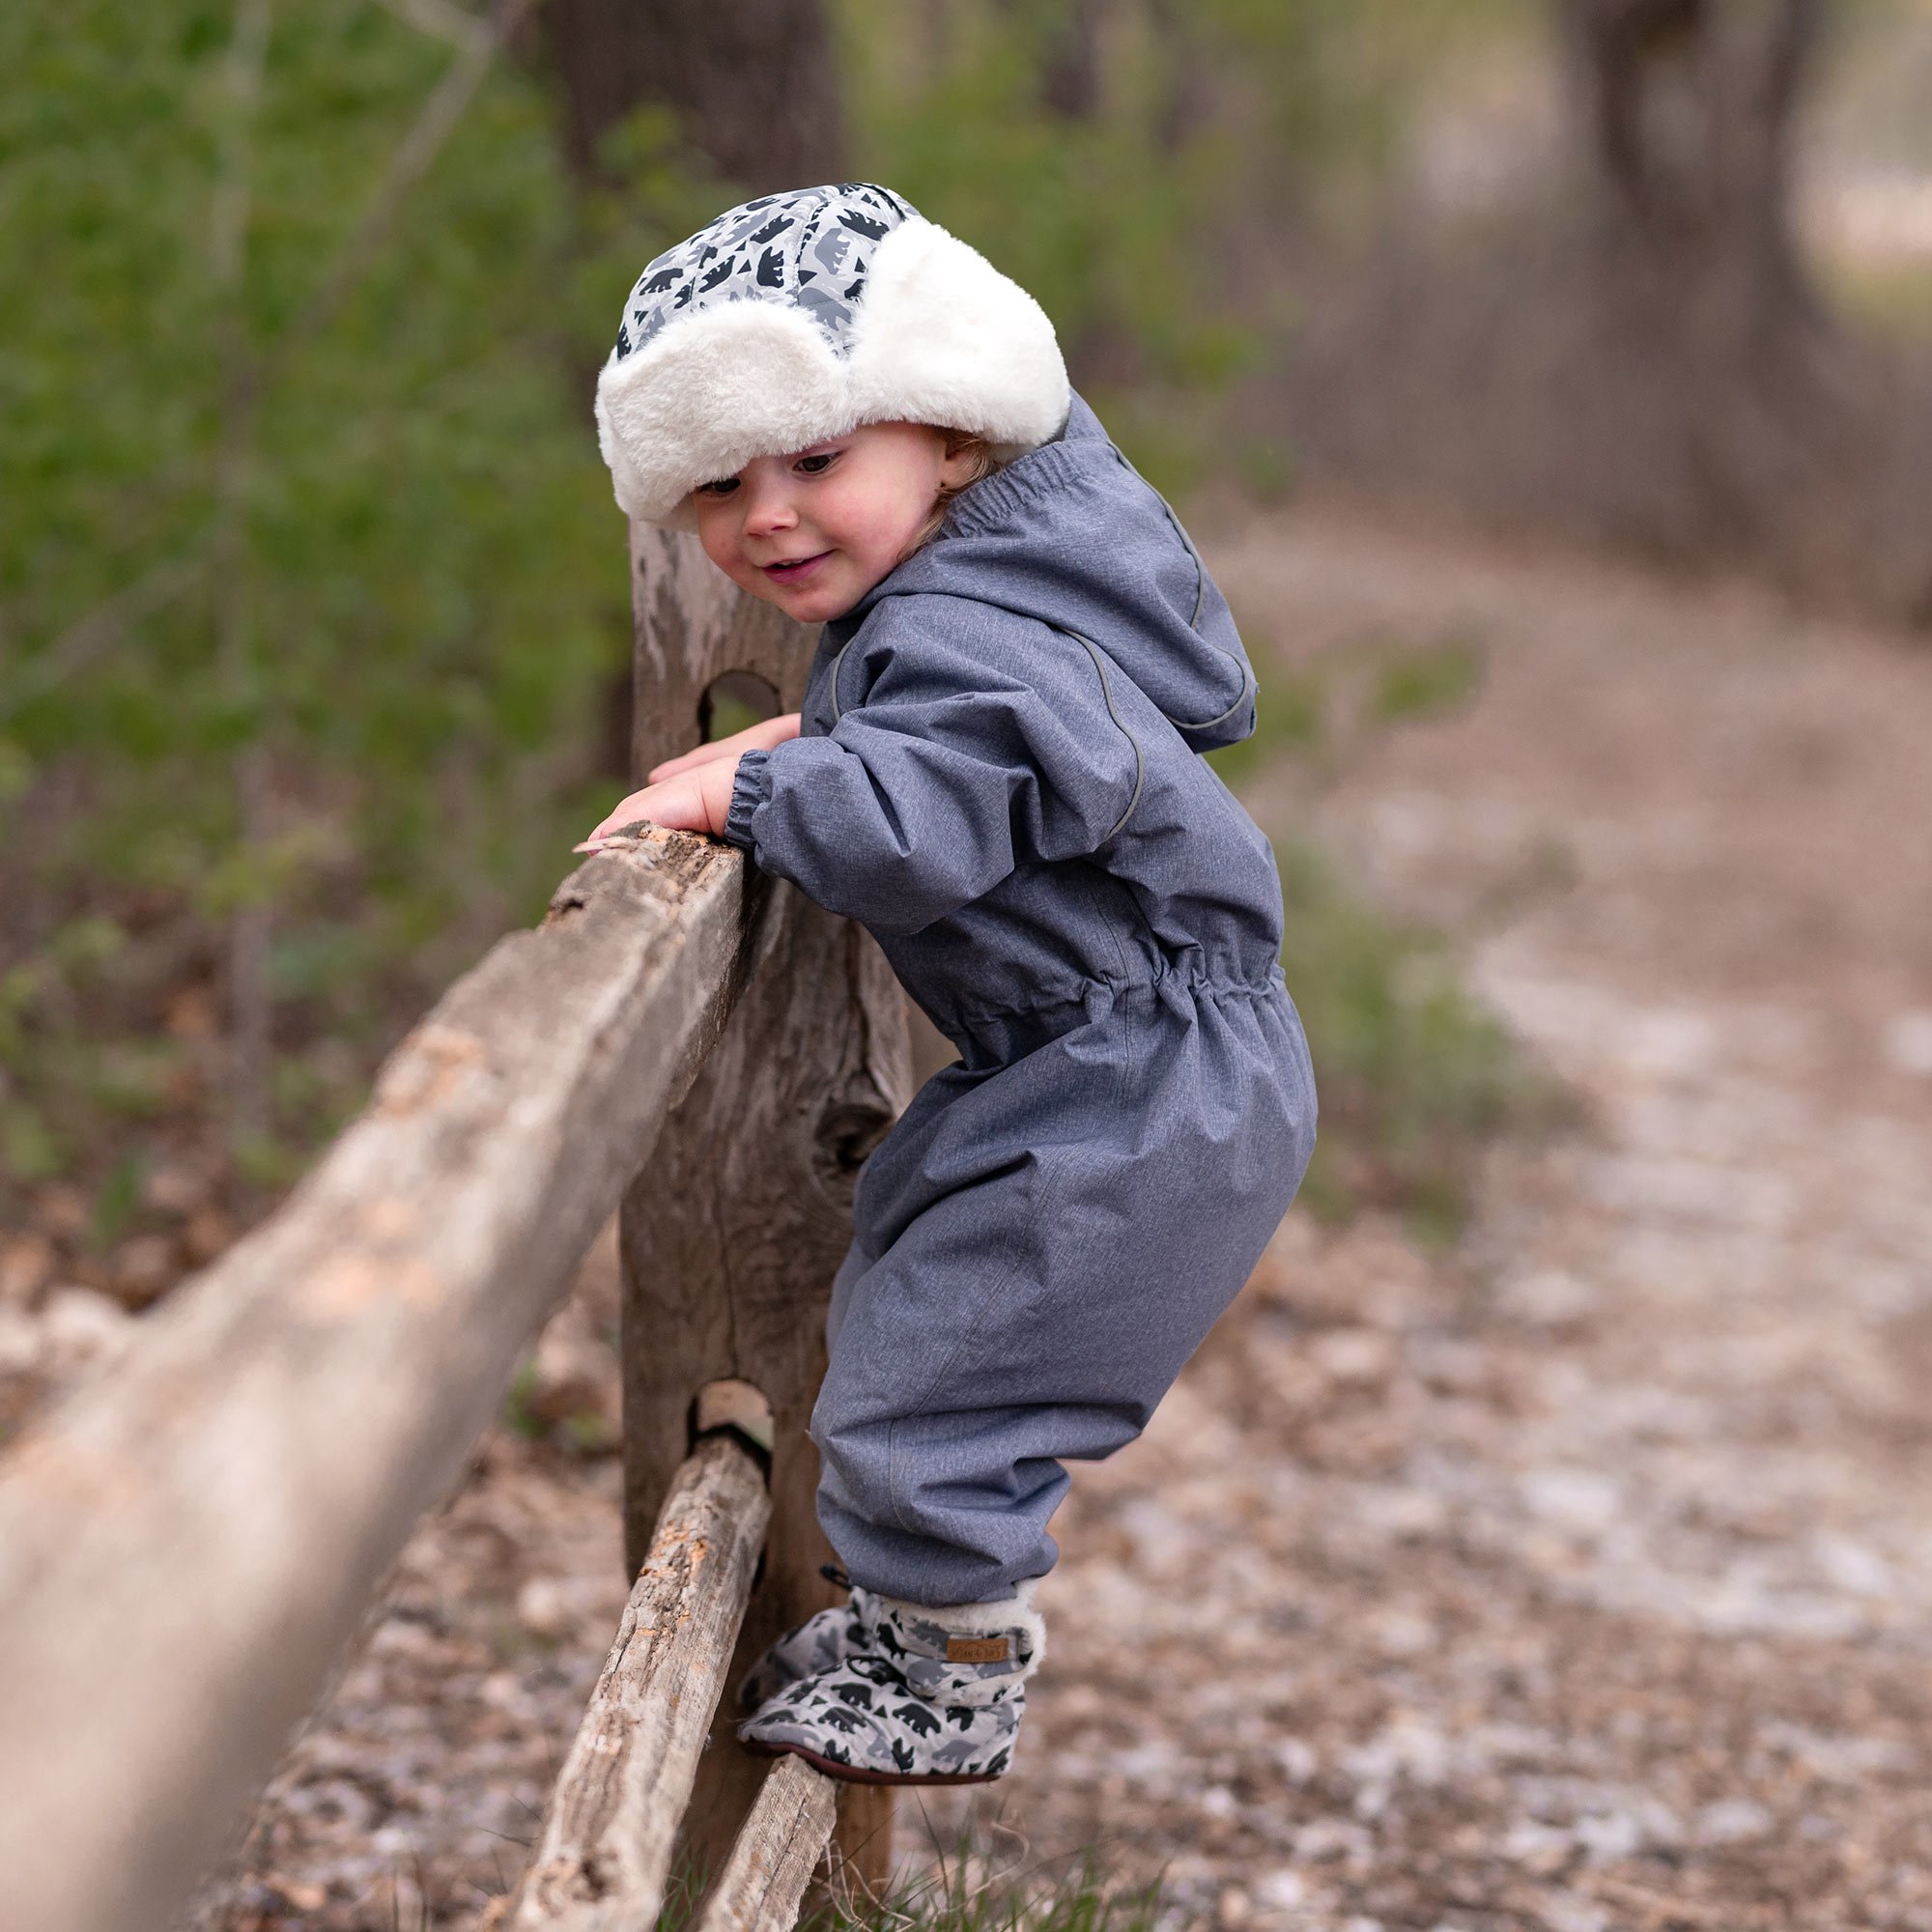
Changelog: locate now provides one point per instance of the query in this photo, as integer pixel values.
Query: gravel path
(1576, 1581)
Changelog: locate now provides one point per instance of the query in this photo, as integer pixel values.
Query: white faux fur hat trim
(941, 336)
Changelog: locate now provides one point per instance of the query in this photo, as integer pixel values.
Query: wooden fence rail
(606, 1852)
(187, 1544)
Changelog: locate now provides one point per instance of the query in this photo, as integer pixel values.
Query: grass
(967, 1891)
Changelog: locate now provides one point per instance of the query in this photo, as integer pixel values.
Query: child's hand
(692, 793)
(761, 737)
(692, 801)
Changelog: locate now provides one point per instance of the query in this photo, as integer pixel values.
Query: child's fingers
(689, 761)
(626, 811)
(761, 736)
(697, 800)
(679, 804)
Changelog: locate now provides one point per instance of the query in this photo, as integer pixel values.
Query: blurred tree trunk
(1069, 84)
(752, 83)
(1706, 320)
(1189, 100)
(1689, 107)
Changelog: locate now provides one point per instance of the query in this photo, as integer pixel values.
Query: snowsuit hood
(1074, 536)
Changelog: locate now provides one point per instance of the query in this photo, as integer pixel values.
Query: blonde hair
(958, 442)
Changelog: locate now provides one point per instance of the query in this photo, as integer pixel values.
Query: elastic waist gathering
(1001, 1031)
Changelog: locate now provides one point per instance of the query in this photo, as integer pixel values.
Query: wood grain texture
(731, 1240)
(605, 1850)
(187, 1543)
(776, 1853)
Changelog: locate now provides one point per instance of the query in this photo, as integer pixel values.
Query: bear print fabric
(812, 247)
(904, 1706)
(818, 1644)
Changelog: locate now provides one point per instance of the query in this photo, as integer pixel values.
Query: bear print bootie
(820, 1643)
(919, 1696)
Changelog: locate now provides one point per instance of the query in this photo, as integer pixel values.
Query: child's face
(813, 532)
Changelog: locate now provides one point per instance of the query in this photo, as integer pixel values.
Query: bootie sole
(849, 1773)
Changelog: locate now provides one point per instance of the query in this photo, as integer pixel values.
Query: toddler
(995, 771)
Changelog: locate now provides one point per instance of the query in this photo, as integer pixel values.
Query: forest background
(314, 630)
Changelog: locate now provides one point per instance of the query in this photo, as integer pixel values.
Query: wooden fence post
(731, 1235)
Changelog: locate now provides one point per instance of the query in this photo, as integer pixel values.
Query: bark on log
(187, 1543)
(606, 1851)
(730, 1244)
(776, 1853)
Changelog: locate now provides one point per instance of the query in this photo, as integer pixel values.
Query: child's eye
(813, 465)
(723, 487)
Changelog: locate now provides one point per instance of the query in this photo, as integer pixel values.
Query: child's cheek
(717, 538)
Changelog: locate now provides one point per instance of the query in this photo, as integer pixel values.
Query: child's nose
(768, 511)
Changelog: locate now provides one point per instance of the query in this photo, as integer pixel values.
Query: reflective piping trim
(1202, 724)
(837, 709)
(1095, 652)
(1200, 568)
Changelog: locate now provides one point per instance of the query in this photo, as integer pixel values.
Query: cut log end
(738, 1406)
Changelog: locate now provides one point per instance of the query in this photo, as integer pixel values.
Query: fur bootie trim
(978, 1652)
(1004, 1613)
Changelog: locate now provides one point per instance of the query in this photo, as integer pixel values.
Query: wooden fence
(188, 1544)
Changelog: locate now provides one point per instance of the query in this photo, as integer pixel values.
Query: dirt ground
(1576, 1579)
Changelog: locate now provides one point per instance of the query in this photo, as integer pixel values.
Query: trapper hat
(798, 317)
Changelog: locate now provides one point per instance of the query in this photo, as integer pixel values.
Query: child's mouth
(796, 570)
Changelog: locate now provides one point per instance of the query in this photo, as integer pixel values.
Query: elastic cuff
(752, 787)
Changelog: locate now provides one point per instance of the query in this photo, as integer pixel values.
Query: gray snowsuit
(996, 776)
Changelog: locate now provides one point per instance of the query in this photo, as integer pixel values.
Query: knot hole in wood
(733, 700)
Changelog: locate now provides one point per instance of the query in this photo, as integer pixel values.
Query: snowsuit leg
(1040, 1245)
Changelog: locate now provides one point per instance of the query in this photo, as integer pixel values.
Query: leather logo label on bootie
(975, 1650)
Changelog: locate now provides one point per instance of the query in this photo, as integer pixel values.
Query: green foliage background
(420, 542)
(328, 530)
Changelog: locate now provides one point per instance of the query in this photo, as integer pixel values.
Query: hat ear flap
(943, 337)
(626, 485)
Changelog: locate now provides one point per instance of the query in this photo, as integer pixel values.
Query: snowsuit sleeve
(972, 740)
